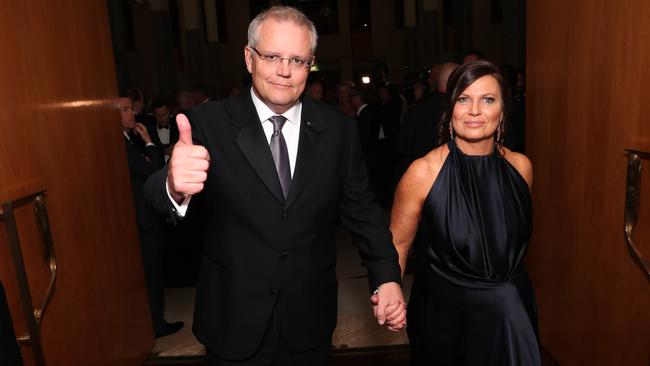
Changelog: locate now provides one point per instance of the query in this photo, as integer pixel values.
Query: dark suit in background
(368, 124)
(419, 133)
(153, 129)
(143, 161)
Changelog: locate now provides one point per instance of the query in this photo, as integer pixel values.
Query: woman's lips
(474, 124)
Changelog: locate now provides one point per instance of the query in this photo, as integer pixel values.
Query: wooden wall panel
(61, 126)
(587, 100)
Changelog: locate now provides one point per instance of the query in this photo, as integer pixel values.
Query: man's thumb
(184, 129)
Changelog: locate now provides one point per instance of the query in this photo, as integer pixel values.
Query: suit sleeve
(144, 162)
(155, 188)
(361, 214)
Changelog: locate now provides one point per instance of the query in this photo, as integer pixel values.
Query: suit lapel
(309, 147)
(253, 144)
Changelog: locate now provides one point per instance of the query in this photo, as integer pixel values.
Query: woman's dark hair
(463, 77)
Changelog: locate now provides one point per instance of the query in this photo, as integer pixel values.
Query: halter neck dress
(472, 302)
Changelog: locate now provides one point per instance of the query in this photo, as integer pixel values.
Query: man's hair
(282, 14)
(160, 102)
(132, 93)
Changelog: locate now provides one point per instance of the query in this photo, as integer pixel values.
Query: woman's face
(478, 110)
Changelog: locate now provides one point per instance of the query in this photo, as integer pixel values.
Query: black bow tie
(163, 127)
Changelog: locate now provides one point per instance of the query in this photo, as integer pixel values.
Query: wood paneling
(588, 100)
(61, 127)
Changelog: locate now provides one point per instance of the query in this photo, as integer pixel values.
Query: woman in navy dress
(468, 203)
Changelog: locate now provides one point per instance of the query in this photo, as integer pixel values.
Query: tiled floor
(356, 325)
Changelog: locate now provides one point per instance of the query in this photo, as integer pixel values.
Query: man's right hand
(188, 165)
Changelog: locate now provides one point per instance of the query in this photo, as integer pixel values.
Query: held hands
(389, 306)
(188, 165)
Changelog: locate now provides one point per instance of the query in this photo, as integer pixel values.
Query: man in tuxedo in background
(145, 158)
(276, 172)
(164, 131)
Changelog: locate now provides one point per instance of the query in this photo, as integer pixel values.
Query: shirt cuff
(179, 209)
(150, 144)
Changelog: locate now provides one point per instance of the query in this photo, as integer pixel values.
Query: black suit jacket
(419, 133)
(369, 122)
(264, 252)
(152, 128)
(143, 161)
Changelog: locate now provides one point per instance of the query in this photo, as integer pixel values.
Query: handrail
(632, 195)
(33, 317)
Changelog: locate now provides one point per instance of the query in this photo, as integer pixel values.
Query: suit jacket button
(284, 255)
(285, 214)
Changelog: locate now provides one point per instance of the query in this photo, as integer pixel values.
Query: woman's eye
(462, 99)
(489, 100)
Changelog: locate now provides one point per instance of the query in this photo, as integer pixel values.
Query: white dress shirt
(290, 131)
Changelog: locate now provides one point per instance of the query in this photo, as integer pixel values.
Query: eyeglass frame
(275, 59)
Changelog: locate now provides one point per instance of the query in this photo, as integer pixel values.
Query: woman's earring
(500, 131)
(451, 130)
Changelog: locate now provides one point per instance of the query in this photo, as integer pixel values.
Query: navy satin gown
(472, 302)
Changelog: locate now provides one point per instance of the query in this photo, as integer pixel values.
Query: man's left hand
(389, 306)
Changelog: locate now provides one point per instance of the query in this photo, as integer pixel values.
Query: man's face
(138, 106)
(278, 84)
(127, 113)
(162, 115)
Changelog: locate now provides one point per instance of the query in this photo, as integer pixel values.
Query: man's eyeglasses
(294, 62)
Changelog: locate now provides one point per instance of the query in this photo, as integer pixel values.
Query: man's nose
(283, 68)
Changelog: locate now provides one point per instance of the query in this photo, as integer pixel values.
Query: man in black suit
(277, 172)
(368, 118)
(419, 133)
(145, 158)
(164, 132)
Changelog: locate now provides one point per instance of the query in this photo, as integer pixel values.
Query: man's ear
(248, 59)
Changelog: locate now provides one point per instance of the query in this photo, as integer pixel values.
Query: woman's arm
(409, 198)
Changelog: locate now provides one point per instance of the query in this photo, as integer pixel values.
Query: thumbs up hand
(188, 165)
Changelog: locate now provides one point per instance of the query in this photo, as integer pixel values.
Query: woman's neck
(483, 147)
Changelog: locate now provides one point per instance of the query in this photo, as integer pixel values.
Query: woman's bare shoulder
(520, 162)
(423, 171)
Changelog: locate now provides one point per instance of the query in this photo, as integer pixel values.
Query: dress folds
(472, 302)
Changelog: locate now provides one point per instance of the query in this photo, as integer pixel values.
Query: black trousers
(152, 243)
(272, 352)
